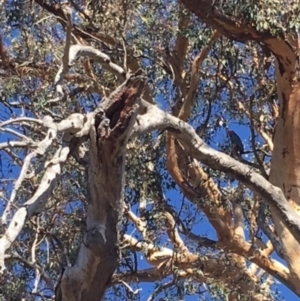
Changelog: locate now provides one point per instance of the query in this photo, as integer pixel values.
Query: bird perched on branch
(236, 142)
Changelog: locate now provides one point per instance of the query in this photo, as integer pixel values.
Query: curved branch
(76, 51)
(236, 30)
(197, 148)
(95, 34)
(36, 203)
(199, 267)
(216, 216)
(185, 110)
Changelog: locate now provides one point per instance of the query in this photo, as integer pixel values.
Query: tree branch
(99, 252)
(157, 119)
(236, 30)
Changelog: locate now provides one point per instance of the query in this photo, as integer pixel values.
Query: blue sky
(175, 199)
(202, 228)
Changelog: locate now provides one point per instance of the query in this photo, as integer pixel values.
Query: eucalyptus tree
(118, 180)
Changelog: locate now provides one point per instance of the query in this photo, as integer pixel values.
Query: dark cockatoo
(236, 142)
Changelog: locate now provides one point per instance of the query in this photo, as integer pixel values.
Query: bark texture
(285, 159)
(98, 257)
(286, 164)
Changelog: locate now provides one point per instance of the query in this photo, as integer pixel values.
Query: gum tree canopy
(117, 178)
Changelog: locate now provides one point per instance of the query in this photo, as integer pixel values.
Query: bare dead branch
(36, 203)
(129, 288)
(40, 150)
(33, 259)
(17, 134)
(10, 144)
(20, 120)
(77, 51)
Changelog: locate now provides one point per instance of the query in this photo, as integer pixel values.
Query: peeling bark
(98, 256)
(285, 168)
(285, 165)
(195, 147)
